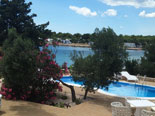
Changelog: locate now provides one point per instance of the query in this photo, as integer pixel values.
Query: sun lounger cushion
(128, 76)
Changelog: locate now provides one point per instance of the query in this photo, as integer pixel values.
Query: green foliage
(84, 70)
(17, 14)
(132, 66)
(60, 105)
(1, 52)
(110, 55)
(78, 101)
(108, 59)
(27, 72)
(85, 38)
(12, 35)
(19, 64)
(138, 40)
(148, 61)
(90, 37)
(76, 38)
(19, 58)
(64, 97)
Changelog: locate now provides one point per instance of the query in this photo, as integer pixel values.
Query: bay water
(63, 53)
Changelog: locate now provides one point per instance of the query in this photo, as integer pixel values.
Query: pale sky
(131, 17)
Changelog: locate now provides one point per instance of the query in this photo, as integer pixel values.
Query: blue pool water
(63, 53)
(122, 89)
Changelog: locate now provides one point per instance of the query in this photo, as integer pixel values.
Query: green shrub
(60, 105)
(27, 72)
(132, 66)
(148, 60)
(64, 97)
(78, 101)
(18, 67)
(147, 68)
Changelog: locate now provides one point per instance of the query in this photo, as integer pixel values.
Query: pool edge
(114, 95)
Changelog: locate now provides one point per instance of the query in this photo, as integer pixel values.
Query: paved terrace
(96, 105)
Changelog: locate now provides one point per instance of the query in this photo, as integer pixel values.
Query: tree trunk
(86, 92)
(72, 90)
(73, 94)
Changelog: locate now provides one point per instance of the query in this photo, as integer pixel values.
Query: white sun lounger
(129, 77)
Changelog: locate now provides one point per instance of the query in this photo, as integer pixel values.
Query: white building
(66, 41)
(130, 45)
(49, 40)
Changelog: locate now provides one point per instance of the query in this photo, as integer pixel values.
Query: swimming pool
(122, 89)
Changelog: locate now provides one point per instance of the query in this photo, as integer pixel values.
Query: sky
(127, 17)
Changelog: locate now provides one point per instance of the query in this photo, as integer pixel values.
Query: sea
(63, 53)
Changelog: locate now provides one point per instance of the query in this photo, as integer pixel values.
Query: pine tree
(17, 14)
(148, 61)
(97, 70)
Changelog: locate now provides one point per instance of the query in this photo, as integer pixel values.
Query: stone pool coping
(110, 94)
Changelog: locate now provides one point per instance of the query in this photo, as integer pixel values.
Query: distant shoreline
(88, 46)
(75, 45)
(134, 49)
